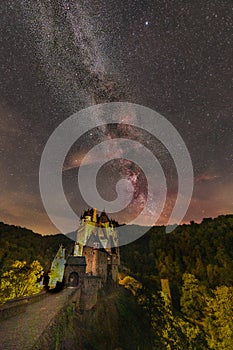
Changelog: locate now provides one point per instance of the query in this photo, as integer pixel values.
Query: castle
(95, 258)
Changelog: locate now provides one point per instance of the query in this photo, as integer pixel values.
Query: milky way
(61, 56)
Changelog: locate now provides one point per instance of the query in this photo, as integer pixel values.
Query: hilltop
(204, 250)
(196, 260)
(18, 243)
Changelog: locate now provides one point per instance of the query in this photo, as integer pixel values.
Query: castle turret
(104, 220)
(94, 215)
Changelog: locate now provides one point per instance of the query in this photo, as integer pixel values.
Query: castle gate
(73, 279)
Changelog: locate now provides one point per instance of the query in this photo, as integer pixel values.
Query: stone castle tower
(96, 253)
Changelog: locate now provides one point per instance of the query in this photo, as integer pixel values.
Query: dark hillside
(17, 243)
(116, 322)
(204, 250)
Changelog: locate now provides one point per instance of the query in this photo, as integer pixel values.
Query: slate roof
(76, 260)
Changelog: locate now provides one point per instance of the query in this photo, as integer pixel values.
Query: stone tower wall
(96, 261)
(80, 270)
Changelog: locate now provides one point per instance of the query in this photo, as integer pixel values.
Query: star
(62, 56)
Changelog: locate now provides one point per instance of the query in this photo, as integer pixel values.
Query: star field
(60, 56)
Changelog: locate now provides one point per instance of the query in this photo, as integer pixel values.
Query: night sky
(58, 57)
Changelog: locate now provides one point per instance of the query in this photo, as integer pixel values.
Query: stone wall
(97, 262)
(92, 284)
(75, 264)
(60, 327)
(18, 305)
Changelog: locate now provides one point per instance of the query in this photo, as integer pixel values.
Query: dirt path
(21, 332)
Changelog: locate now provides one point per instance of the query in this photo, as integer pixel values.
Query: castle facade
(95, 258)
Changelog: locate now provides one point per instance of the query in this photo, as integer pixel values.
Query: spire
(94, 215)
(104, 217)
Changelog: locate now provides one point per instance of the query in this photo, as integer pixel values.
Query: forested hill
(197, 261)
(17, 243)
(204, 250)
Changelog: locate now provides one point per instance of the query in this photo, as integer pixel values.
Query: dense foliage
(204, 250)
(25, 257)
(17, 243)
(197, 259)
(21, 280)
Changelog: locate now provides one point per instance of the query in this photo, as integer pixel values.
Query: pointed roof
(104, 217)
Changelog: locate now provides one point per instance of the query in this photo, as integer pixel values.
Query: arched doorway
(73, 279)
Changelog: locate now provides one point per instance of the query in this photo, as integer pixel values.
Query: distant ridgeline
(204, 250)
(95, 256)
(19, 243)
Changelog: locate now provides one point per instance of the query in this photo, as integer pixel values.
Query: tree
(131, 284)
(20, 280)
(193, 297)
(171, 330)
(219, 316)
